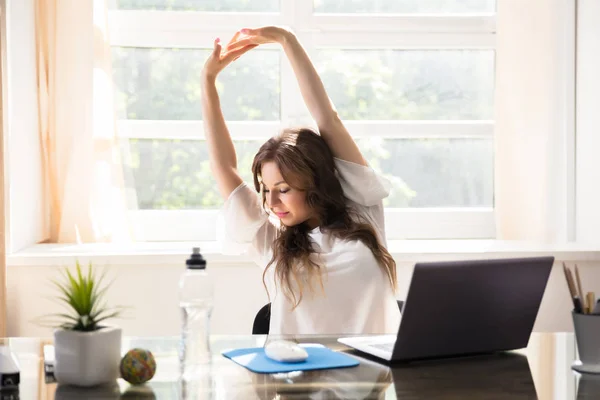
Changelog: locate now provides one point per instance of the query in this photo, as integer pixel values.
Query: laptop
(463, 308)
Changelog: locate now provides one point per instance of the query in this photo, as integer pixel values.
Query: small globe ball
(138, 366)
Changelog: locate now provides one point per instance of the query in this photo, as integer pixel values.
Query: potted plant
(87, 352)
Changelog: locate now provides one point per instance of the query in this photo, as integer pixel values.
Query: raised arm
(223, 160)
(317, 101)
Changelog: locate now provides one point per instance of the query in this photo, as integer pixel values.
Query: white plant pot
(87, 358)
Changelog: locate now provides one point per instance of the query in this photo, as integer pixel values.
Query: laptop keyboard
(383, 346)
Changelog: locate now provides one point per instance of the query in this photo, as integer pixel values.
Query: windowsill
(175, 253)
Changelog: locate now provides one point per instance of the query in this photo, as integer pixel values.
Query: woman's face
(287, 203)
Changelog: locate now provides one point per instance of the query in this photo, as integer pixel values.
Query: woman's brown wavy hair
(306, 163)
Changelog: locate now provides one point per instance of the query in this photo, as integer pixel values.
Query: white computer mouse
(285, 351)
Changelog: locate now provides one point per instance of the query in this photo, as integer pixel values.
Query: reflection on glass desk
(541, 371)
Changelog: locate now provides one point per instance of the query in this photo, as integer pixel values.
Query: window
(413, 81)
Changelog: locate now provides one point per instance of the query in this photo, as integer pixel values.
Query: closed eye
(283, 191)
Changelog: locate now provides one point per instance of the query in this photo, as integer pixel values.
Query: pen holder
(588, 386)
(587, 334)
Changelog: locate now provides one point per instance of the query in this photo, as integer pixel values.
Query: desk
(542, 371)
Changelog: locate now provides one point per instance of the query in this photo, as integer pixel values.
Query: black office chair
(263, 319)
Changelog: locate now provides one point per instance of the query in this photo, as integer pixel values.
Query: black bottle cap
(196, 261)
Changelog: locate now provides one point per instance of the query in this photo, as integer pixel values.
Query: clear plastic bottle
(196, 302)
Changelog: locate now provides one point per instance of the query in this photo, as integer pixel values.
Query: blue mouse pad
(319, 357)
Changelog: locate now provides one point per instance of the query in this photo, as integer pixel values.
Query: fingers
(217, 48)
(240, 43)
(232, 43)
(233, 39)
(235, 54)
(232, 46)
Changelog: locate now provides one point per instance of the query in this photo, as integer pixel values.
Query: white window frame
(198, 30)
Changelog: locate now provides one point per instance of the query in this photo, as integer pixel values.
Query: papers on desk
(319, 357)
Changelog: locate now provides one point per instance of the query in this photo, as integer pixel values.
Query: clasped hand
(243, 41)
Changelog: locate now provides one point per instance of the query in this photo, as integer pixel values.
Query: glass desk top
(540, 371)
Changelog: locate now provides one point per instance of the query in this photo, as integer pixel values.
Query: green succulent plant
(83, 293)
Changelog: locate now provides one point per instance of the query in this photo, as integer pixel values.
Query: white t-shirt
(357, 297)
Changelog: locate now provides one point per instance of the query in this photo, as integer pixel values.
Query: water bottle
(196, 302)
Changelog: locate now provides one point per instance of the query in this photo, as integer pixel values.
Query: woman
(316, 225)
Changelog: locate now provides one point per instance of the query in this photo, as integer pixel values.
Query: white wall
(588, 121)
(24, 153)
(151, 292)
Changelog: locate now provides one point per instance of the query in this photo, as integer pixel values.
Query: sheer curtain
(82, 165)
(534, 119)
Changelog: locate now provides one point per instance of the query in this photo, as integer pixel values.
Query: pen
(571, 285)
(590, 301)
(584, 300)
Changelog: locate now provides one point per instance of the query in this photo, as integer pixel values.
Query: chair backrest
(263, 319)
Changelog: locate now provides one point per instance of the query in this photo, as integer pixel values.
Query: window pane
(409, 84)
(174, 174)
(434, 172)
(406, 6)
(164, 84)
(201, 5)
